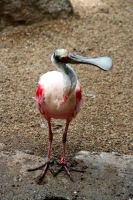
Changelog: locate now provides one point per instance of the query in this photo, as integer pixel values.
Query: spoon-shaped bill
(105, 63)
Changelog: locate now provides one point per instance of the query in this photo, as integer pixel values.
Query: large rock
(107, 176)
(30, 11)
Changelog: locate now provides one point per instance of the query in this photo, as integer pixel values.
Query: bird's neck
(68, 73)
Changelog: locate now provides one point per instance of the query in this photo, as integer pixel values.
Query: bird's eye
(56, 57)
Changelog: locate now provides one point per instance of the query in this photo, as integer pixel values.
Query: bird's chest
(60, 101)
(57, 103)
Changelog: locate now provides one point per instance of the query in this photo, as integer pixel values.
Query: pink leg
(63, 159)
(48, 164)
(63, 162)
(50, 138)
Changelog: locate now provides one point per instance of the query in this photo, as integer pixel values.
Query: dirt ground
(105, 120)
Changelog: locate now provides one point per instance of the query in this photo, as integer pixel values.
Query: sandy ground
(105, 120)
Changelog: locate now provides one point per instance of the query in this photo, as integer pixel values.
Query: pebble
(28, 151)
(2, 146)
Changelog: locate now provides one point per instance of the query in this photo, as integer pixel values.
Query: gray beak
(104, 63)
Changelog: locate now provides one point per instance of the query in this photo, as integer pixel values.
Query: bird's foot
(48, 165)
(67, 169)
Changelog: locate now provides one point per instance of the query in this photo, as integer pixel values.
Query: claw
(67, 169)
(45, 167)
(49, 165)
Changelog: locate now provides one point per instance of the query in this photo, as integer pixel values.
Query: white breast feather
(55, 87)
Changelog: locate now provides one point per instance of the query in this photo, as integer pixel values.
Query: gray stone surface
(106, 176)
(30, 11)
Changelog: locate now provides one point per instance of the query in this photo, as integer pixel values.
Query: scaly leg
(48, 164)
(63, 162)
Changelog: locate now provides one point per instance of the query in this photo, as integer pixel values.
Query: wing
(40, 99)
(40, 94)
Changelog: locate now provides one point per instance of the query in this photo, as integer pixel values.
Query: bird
(59, 96)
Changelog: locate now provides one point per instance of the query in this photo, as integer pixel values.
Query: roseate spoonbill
(59, 96)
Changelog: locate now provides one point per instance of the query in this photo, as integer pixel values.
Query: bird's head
(61, 55)
(64, 56)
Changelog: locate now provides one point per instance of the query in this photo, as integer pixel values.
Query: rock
(2, 146)
(27, 151)
(102, 8)
(107, 176)
(102, 160)
(30, 11)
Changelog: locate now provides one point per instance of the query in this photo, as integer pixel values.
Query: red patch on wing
(78, 101)
(40, 94)
(40, 100)
(78, 95)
